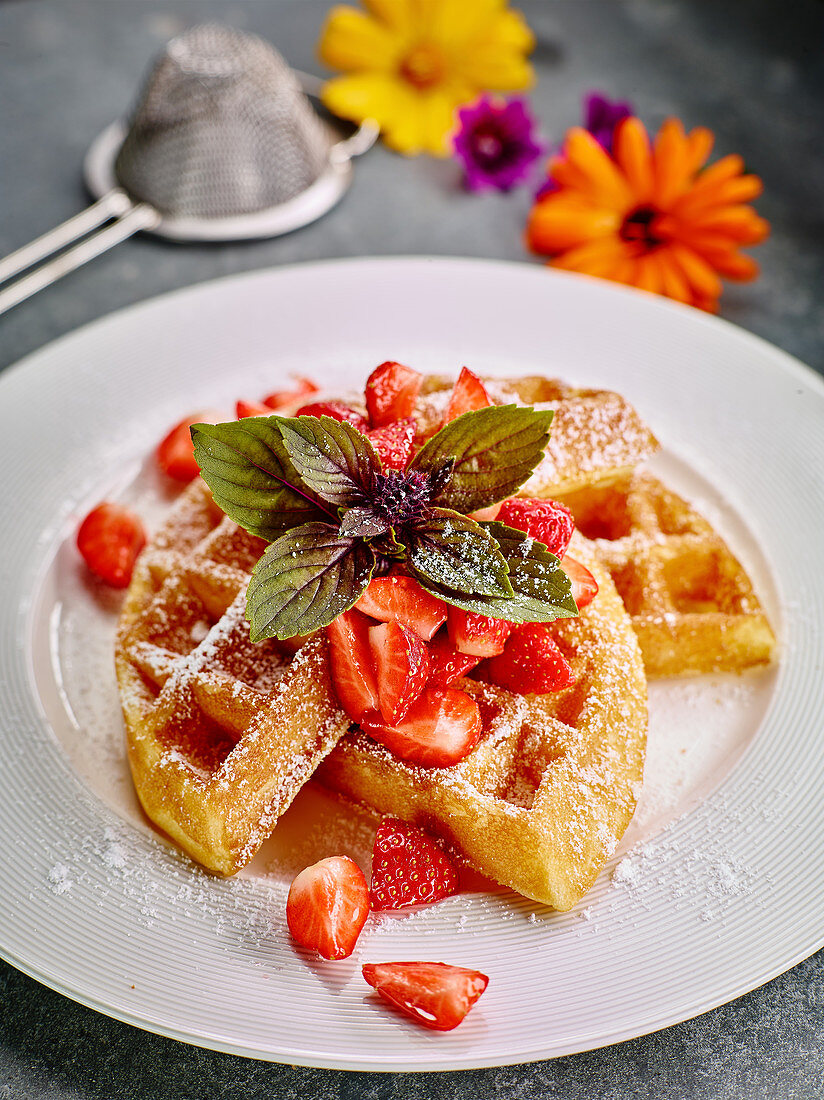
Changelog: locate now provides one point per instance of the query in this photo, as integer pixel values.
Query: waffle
(540, 804)
(221, 733)
(691, 602)
(597, 437)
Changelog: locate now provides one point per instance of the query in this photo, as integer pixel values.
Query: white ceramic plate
(710, 893)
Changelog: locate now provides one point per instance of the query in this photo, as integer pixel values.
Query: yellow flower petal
(353, 41)
(490, 67)
(399, 15)
(379, 96)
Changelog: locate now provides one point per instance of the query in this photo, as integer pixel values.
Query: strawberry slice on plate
(401, 662)
(531, 663)
(447, 664)
(409, 867)
(435, 994)
(584, 585)
(397, 598)
(441, 727)
(109, 540)
(175, 453)
(337, 410)
(545, 520)
(391, 392)
(327, 907)
(303, 388)
(468, 394)
(350, 658)
(477, 635)
(394, 443)
(251, 408)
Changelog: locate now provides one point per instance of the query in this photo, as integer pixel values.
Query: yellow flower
(408, 64)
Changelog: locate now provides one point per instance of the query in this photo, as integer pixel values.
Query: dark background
(751, 70)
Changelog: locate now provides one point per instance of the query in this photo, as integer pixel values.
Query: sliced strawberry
(584, 585)
(531, 663)
(391, 392)
(109, 540)
(467, 395)
(441, 727)
(350, 657)
(545, 520)
(251, 408)
(327, 907)
(302, 388)
(401, 663)
(175, 453)
(447, 664)
(486, 513)
(401, 599)
(394, 443)
(338, 411)
(477, 635)
(409, 867)
(434, 994)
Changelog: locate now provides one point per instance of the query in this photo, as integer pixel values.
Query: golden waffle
(691, 603)
(540, 804)
(596, 435)
(221, 733)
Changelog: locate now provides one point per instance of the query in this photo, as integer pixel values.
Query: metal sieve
(222, 144)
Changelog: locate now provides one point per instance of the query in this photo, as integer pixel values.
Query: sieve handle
(129, 220)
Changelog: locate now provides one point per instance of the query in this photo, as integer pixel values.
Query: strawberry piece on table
(302, 388)
(584, 585)
(441, 727)
(531, 663)
(447, 664)
(545, 520)
(467, 395)
(394, 443)
(391, 392)
(401, 662)
(409, 867)
(434, 994)
(109, 540)
(477, 635)
(401, 599)
(176, 454)
(251, 408)
(337, 410)
(327, 907)
(350, 657)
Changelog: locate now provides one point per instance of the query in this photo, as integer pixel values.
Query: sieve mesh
(221, 128)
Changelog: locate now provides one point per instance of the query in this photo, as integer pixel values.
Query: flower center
(423, 66)
(488, 145)
(639, 226)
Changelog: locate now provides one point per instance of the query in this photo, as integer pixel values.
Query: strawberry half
(531, 663)
(251, 408)
(302, 388)
(327, 907)
(337, 410)
(394, 443)
(467, 395)
(409, 867)
(447, 664)
(477, 635)
(584, 585)
(391, 392)
(401, 663)
(441, 727)
(175, 453)
(109, 540)
(350, 657)
(545, 520)
(434, 994)
(401, 599)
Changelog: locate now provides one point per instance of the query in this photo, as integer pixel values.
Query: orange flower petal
(738, 223)
(605, 182)
(601, 257)
(671, 164)
(631, 149)
(648, 276)
(673, 282)
(701, 278)
(564, 221)
(700, 142)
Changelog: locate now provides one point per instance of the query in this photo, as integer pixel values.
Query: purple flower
(602, 116)
(495, 143)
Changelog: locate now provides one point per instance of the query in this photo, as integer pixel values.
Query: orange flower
(650, 215)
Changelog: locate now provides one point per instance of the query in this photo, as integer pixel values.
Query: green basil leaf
(304, 580)
(331, 457)
(247, 467)
(495, 451)
(451, 550)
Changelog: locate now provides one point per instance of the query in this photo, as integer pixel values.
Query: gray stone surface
(752, 70)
